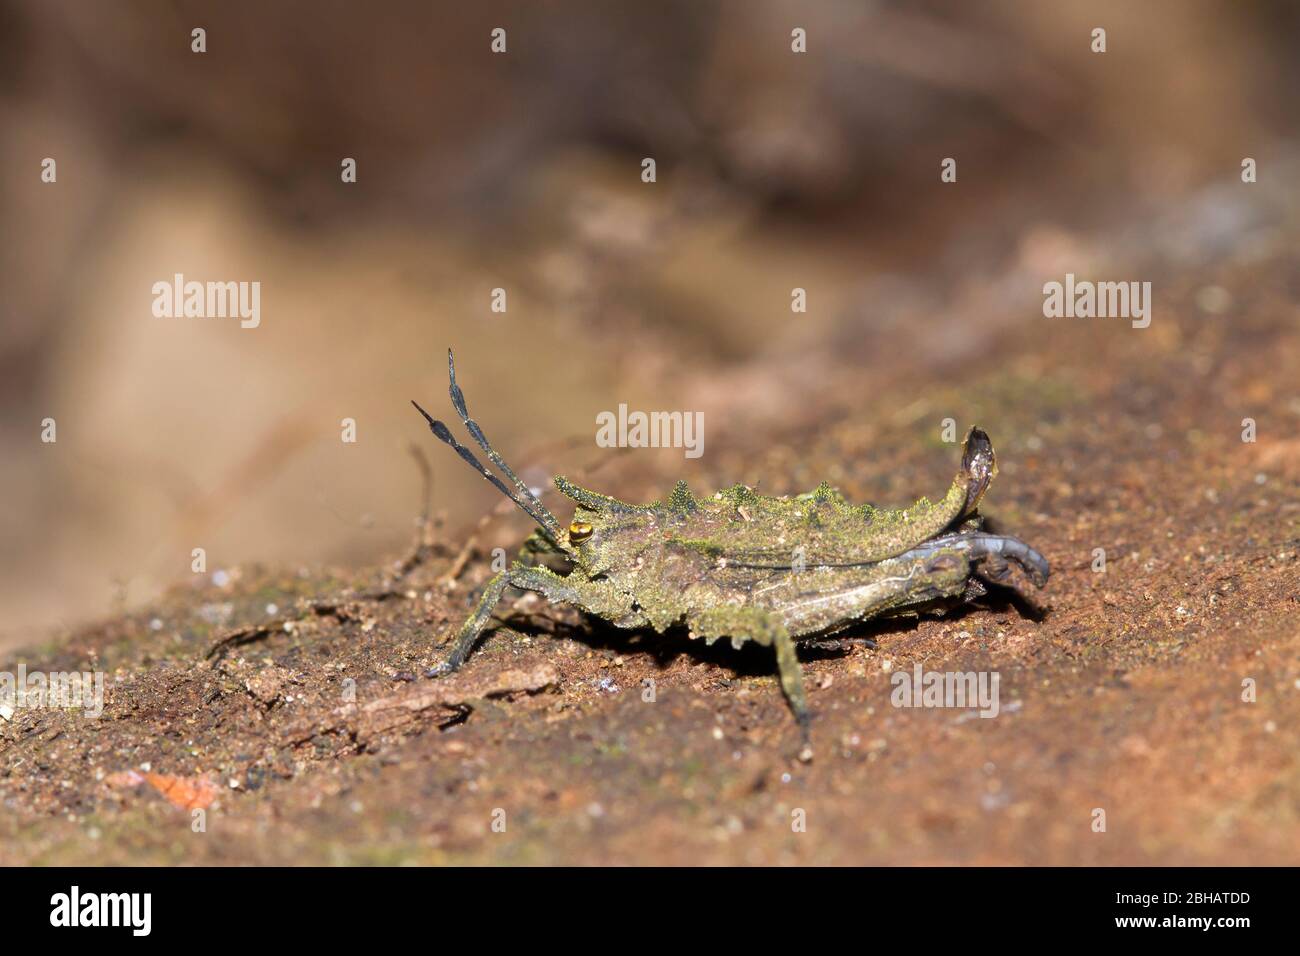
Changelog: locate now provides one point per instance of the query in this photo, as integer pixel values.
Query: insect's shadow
(750, 659)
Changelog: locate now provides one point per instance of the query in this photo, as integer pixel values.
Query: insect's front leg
(469, 632)
(536, 548)
(599, 598)
(596, 597)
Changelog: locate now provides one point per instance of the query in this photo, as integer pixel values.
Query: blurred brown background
(521, 171)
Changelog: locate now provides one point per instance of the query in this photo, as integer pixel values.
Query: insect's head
(596, 519)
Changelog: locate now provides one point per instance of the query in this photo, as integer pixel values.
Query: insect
(750, 567)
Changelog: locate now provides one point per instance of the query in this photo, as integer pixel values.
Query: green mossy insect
(749, 567)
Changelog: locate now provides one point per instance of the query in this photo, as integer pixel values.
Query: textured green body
(814, 561)
(750, 567)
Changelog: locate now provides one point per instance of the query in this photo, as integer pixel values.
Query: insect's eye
(580, 531)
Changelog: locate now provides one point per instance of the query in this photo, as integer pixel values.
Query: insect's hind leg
(994, 569)
(995, 549)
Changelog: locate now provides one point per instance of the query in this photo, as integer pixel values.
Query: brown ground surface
(1125, 696)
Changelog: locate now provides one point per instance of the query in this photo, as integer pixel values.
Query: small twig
(424, 546)
(381, 594)
(246, 635)
(251, 633)
(462, 559)
(419, 553)
(426, 475)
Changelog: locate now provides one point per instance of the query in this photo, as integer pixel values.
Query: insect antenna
(458, 401)
(547, 521)
(522, 495)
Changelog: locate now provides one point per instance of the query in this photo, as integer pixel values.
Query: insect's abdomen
(821, 599)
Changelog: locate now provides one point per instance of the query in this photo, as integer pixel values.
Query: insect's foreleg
(469, 632)
(536, 545)
(517, 575)
(599, 598)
